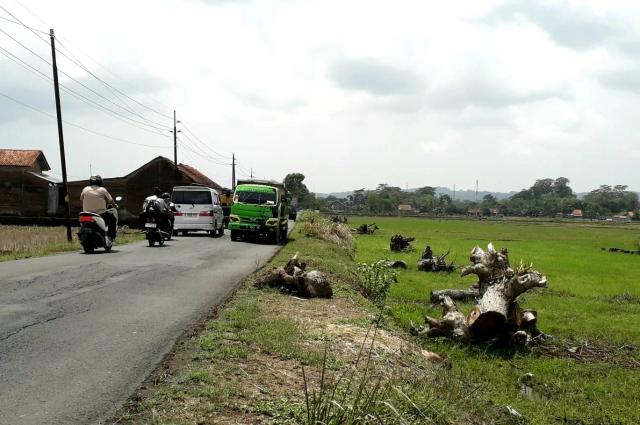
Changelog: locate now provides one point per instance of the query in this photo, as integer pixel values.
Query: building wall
(22, 194)
(134, 188)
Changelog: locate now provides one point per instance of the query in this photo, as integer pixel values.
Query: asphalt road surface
(79, 333)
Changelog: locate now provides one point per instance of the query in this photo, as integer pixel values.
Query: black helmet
(156, 191)
(166, 196)
(95, 180)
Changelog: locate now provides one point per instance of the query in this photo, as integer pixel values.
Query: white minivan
(198, 208)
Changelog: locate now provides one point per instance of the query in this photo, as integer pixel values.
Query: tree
(299, 191)
(427, 190)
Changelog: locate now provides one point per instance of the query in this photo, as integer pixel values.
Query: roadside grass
(17, 242)
(592, 299)
(245, 366)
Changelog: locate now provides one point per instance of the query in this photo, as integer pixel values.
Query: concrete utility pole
(233, 171)
(252, 173)
(175, 140)
(476, 190)
(63, 161)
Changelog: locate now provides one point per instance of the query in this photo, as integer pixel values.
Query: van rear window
(192, 197)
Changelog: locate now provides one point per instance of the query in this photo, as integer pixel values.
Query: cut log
(436, 296)
(293, 277)
(397, 264)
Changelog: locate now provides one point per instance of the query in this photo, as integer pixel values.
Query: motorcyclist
(96, 199)
(171, 207)
(155, 205)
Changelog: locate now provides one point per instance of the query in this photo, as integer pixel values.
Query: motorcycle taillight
(86, 219)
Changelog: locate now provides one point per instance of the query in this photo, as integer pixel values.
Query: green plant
(356, 397)
(375, 280)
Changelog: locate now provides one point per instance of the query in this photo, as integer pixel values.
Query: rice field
(32, 241)
(592, 305)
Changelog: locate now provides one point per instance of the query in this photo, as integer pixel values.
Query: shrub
(375, 280)
(317, 226)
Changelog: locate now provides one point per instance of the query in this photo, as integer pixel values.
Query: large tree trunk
(496, 313)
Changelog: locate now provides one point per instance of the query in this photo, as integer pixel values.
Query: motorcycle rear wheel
(88, 248)
(151, 242)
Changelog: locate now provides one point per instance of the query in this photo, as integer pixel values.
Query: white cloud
(351, 93)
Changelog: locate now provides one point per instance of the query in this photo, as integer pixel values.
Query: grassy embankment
(246, 365)
(18, 242)
(593, 298)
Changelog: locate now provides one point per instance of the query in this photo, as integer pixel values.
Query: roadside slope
(255, 362)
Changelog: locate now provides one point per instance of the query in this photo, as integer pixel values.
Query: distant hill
(464, 195)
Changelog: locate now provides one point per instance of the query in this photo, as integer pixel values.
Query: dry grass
(32, 241)
(317, 226)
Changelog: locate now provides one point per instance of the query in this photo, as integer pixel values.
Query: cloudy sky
(350, 93)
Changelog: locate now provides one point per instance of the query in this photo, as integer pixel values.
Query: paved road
(79, 333)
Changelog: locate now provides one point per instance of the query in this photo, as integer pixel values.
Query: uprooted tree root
(430, 263)
(496, 315)
(365, 229)
(399, 243)
(294, 278)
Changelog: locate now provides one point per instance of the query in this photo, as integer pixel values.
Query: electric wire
(118, 139)
(19, 23)
(77, 63)
(188, 129)
(92, 102)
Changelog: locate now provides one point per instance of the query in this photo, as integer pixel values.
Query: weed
(375, 280)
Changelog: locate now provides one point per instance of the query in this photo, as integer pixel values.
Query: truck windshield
(256, 198)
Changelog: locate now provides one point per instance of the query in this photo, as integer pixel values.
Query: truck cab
(260, 208)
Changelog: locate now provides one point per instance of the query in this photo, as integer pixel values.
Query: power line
(82, 66)
(186, 127)
(92, 102)
(21, 24)
(118, 139)
(201, 151)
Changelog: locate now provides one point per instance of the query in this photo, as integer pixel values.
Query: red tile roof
(197, 176)
(23, 158)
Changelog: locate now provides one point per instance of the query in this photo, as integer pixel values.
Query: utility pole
(454, 192)
(63, 162)
(476, 190)
(251, 173)
(175, 141)
(233, 171)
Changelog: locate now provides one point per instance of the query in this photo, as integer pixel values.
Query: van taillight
(206, 214)
(178, 213)
(86, 219)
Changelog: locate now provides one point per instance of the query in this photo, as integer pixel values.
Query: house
(474, 212)
(134, 187)
(405, 209)
(624, 216)
(337, 207)
(576, 213)
(25, 189)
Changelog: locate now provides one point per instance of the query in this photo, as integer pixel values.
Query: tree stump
(496, 314)
(399, 243)
(293, 277)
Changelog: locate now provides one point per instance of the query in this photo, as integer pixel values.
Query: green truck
(260, 208)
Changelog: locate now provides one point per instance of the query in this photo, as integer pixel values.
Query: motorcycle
(153, 230)
(93, 230)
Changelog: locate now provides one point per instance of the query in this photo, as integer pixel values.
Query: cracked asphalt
(79, 333)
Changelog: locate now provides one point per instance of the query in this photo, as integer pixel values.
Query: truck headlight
(234, 218)
(272, 221)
